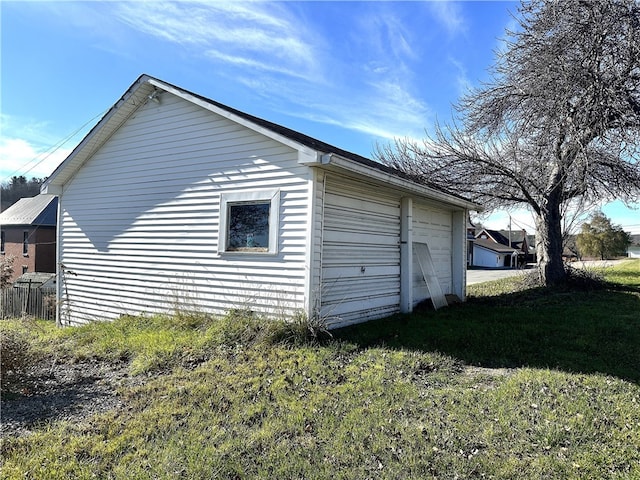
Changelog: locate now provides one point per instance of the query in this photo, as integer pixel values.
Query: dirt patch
(76, 391)
(61, 391)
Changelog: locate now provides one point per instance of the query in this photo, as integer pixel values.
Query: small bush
(586, 279)
(238, 327)
(299, 330)
(16, 358)
(581, 279)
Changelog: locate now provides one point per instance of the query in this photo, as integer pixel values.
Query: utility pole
(510, 246)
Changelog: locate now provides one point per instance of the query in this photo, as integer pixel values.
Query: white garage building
(175, 200)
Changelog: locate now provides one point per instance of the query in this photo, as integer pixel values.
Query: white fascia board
(51, 189)
(398, 182)
(499, 252)
(306, 154)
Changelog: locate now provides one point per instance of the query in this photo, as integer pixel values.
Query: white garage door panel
(360, 252)
(433, 227)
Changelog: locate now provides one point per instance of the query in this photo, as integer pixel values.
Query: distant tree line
(16, 188)
(600, 238)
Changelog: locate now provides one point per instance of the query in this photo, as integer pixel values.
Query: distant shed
(224, 210)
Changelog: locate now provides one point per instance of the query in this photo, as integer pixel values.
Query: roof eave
(139, 93)
(352, 166)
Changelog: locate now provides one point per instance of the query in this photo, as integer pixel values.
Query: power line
(53, 149)
(526, 225)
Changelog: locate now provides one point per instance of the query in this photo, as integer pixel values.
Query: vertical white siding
(360, 252)
(432, 225)
(139, 221)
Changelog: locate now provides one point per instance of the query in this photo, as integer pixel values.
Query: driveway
(486, 275)
(479, 275)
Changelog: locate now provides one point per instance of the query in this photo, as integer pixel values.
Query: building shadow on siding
(579, 332)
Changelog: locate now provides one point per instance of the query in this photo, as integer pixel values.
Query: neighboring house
(502, 248)
(633, 250)
(176, 201)
(471, 236)
(489, 254)
(28, 234)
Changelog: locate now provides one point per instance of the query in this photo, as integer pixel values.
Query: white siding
(360, 252)
(139, 221)
(432, 225)
(487, 258)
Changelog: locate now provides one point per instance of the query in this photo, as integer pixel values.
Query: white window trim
(226, 199)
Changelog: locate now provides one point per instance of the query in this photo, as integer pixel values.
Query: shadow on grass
(580, 332)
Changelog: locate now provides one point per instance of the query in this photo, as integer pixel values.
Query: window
(25, 269)
(2, 241)
(25, 242)
(249, 222)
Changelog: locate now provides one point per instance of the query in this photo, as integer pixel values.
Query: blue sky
(352, 74)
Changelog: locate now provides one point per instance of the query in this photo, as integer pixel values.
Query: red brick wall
(40, 256)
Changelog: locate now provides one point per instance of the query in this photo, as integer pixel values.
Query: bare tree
(558, 124)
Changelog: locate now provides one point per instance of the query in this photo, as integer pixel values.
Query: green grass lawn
(595, 331)
(537, 384)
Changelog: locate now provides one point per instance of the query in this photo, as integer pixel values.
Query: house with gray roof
(502, 248)
(28, 234)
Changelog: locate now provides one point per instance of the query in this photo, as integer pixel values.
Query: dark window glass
(248, 227)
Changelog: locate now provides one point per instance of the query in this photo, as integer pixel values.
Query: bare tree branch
(558, 123)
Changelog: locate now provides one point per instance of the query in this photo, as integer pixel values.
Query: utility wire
(526, 226)
(54, 148)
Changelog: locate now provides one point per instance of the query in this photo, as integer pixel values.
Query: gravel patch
(61, 391)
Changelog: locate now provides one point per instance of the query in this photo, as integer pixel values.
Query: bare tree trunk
(549, 244)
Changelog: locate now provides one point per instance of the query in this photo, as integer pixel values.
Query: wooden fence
(30, 301)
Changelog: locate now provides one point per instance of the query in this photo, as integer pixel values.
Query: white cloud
(627, 217)
(391, 37)
(384, 110)
(287, 58)
(462, 79)
(30, 148)
(251, 63)
(247, 33)
(298, 66)
(449, 14)
(33, 131)
(19, 157)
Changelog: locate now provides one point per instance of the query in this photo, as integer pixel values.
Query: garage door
(360, 252)
(433, 227)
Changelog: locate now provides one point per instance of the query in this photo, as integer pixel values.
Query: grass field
(512, 384)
